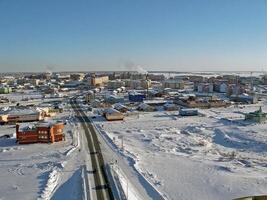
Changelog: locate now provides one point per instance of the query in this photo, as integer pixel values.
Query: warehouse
(45, 132)
(15, 115)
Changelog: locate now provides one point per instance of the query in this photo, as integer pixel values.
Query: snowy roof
(135, 93)
(144, 106)
(169, 105)
(19, 111)
(47, 123)
(26, 127)
(188, 109)
(110, 111)
(157, 101)
(119, 106)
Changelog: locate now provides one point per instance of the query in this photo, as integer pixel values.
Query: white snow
(129, 191)
(41, 171)
(50, 185)
(215, 156)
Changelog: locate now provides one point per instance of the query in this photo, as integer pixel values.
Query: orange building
(45, 132)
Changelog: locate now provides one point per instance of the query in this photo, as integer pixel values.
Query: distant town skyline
(98, 35)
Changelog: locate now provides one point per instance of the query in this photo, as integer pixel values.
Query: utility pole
(251, 81)
(122, 147)
(147, 85)
(121, 137)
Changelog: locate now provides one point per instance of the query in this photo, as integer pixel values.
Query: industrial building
(45, 132)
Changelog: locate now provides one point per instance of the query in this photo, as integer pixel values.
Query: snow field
(195, 157)
(36, 171)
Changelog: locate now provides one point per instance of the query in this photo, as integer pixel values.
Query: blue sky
(180, 35)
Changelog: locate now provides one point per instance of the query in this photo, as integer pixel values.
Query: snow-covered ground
(215, 156)
(41, 171)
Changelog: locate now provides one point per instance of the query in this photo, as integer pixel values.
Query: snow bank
(50, 185)
(76, 141)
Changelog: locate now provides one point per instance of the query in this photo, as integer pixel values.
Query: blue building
(136, 97)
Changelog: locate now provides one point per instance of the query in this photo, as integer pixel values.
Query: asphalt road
(102, 189)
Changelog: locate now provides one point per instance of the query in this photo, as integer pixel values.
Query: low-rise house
(146, 108)
(136, 97)
(114, 99)
(4, 100)
(170, 107)
(45, 132)
(120, 107)
(188, 112)
(72, 84)
(111, 114)
(194, 102)
(155, 93)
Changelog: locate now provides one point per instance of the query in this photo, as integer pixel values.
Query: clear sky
(180, 35)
